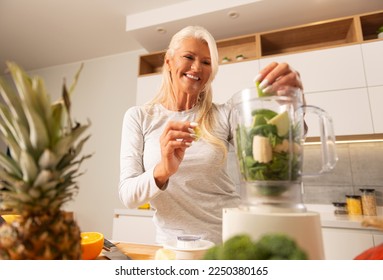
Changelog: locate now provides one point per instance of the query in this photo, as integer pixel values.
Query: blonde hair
(206, 108)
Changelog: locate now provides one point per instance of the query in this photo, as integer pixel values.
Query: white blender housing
(268, 136)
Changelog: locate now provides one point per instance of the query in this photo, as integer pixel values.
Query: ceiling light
(233, 14)
(161, 30)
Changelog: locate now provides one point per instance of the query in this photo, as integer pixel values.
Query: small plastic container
(368, 202)
(340, 208)
(354, 204)
(188, 241)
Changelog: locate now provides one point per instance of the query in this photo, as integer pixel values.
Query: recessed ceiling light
(161, 30)
(233, 14)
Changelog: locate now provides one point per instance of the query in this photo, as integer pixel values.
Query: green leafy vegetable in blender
(267, 151)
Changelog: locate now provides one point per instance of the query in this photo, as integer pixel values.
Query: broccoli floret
(280, 247)
(268, 247)
(239, 247)
(212, 253)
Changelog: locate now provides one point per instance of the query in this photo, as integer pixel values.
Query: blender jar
(269, 133)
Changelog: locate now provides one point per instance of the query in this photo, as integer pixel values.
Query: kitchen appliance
(189, 247)
(269, 132)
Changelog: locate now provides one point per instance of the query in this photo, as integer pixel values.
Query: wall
(106, 89)
(359, 166)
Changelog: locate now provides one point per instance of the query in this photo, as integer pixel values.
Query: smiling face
(190, 69)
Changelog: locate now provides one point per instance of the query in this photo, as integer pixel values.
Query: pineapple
(38, 177)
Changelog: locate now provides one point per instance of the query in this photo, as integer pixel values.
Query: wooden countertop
(137, 251)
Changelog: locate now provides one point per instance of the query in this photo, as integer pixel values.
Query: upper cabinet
(318, 35)
(326, 69)
(147, 88)
(373, 61)
(232, 78)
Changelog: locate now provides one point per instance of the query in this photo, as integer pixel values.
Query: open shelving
(309, 37)
(317, 35)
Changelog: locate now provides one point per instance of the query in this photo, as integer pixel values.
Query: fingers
(278, 75)
(178, 134)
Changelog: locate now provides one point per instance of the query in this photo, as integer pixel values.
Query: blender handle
(327, 137)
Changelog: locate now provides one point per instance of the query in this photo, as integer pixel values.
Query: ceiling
(42, 33)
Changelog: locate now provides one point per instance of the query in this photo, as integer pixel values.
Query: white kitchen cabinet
(147, 88)
(345, 244)
(232, 78)
(376, 101)
(373, 62)
(134, 226)
(326, 70)
(349, 109)
(378, 238)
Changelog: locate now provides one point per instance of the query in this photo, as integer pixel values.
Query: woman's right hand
(175, 139)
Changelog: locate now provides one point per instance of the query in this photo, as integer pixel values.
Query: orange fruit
(91, 245)
(9, 218)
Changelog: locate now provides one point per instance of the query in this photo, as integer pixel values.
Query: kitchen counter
(326, 211)
(136, 251)
(330, 220)
(344, 236)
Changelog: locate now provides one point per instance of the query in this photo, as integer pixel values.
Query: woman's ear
(167, 64)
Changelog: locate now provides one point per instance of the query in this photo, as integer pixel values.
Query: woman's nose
(196, 66)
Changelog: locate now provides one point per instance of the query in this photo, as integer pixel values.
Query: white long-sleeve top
(194, 197)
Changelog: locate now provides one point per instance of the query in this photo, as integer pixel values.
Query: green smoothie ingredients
(267, 150)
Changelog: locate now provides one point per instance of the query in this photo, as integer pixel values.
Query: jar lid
(339, 204)
(353, 196)
(367, 190)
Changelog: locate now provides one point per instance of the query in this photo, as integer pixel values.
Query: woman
(162, 162)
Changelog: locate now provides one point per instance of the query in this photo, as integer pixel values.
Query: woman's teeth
(192, 77)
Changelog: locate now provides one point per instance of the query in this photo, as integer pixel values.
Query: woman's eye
(206, 62)
(188, 57)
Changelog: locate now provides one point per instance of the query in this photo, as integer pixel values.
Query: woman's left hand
(277, 76)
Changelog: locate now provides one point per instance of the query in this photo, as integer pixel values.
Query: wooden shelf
(370, 24)
(308, 37)
(318, 35)
(151, 63)
(231, 48)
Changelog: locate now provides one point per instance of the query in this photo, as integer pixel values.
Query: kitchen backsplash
(360, 165)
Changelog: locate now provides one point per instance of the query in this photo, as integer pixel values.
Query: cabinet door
(147, 88)
(232, 78)
(134, 228)
(326, 70)
(345, 244)
(376, 101)
(373, 61)
(349, 109)
(378, 238)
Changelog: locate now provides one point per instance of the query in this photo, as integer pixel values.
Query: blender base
(304, 228)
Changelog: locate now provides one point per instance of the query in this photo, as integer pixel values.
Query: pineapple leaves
(72, 87)
(12, 100)
(35, 103)
(10, 166)
(28, 167)
(44, 144)
(67, 141)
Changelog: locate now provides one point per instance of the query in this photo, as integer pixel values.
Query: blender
(269, 133)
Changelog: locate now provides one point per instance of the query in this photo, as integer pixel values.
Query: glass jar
(368, 202)
(354, 204)
(340, 208)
